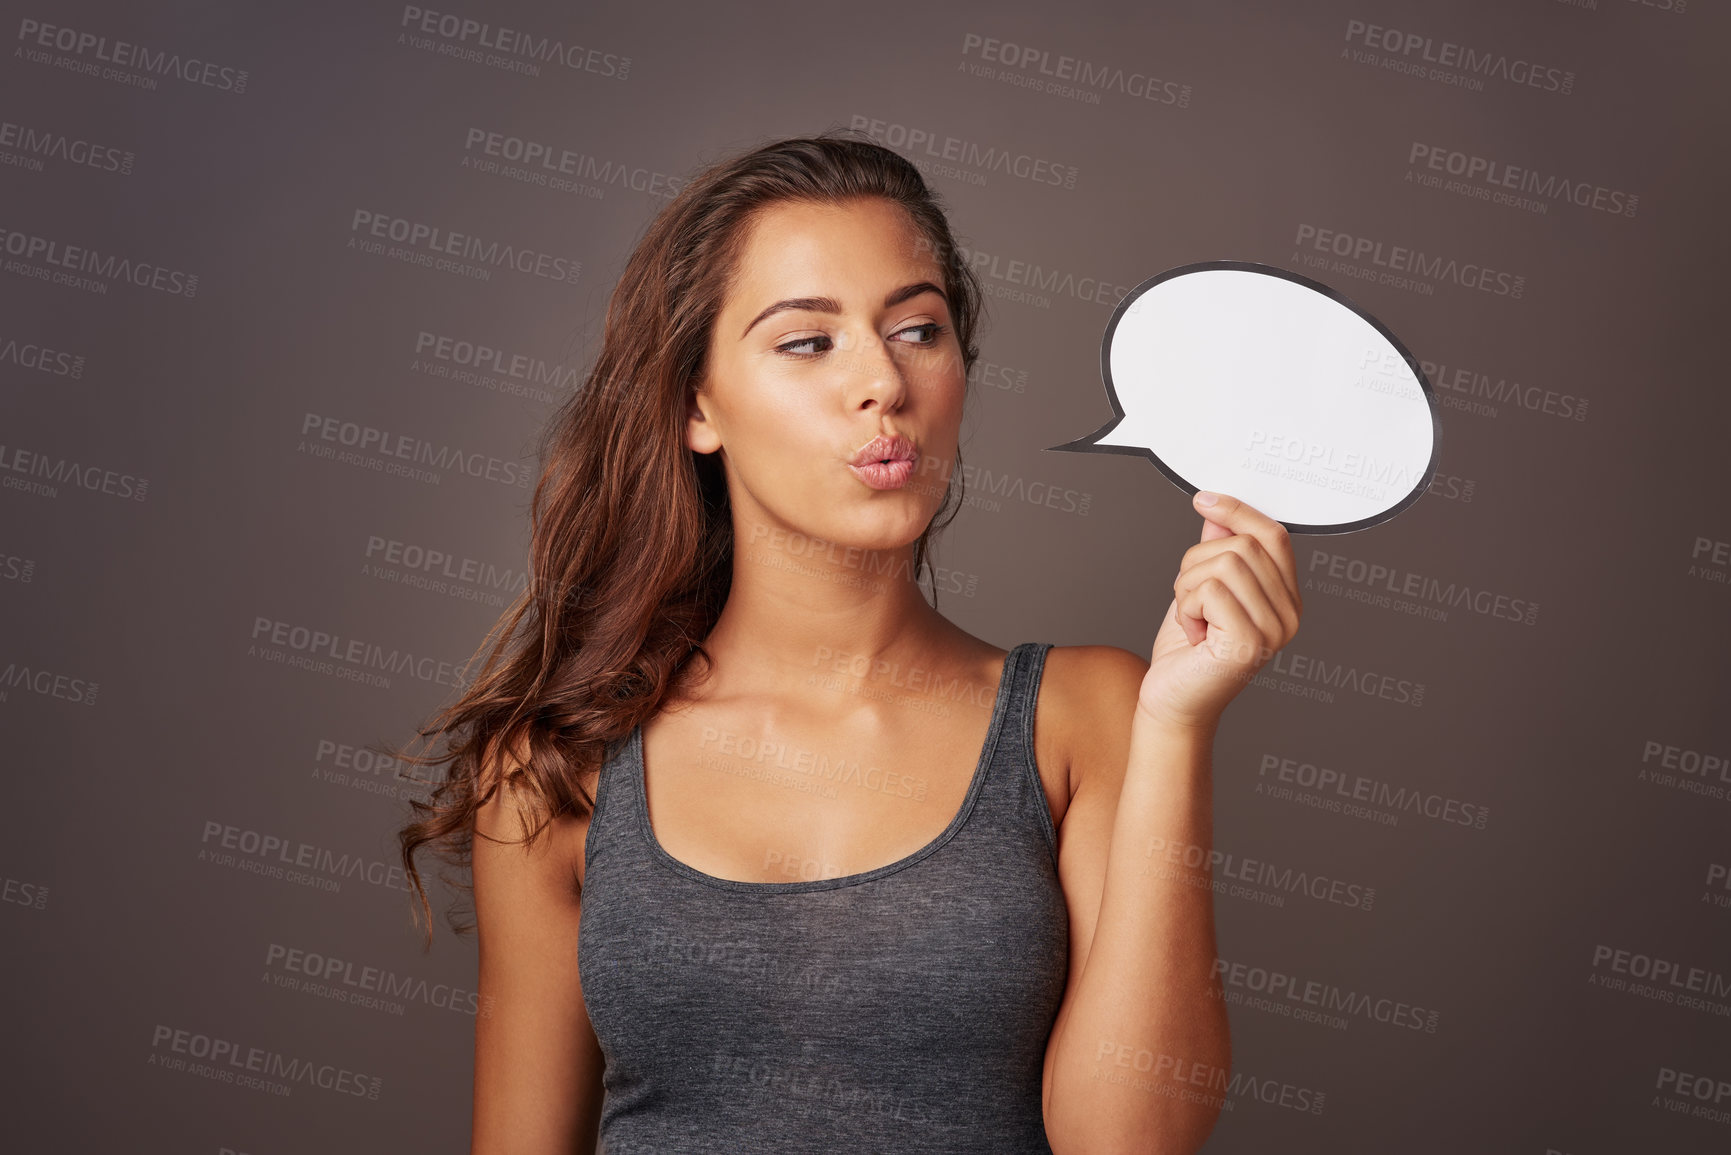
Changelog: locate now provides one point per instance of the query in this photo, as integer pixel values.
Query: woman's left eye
(933, 331)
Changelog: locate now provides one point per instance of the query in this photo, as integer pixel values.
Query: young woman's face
(836, 331)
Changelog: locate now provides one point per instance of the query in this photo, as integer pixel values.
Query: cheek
(940, 412)
(791, 419)
(939, 379)
(786, 440)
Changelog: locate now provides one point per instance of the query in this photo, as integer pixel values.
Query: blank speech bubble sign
(1251, 380)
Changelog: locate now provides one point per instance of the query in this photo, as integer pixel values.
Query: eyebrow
(831, 305)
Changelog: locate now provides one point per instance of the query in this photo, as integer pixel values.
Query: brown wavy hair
(631, 545)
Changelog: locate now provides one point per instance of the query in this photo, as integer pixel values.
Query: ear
(701, 436)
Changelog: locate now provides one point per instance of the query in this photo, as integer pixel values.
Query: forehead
(797, 248)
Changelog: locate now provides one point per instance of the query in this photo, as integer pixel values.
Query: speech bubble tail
(1090, 443)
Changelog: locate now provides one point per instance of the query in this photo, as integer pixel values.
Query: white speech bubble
(1251, 380)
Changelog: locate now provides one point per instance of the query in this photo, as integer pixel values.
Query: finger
(1214, 601)
(1273, 582)
(1195, 626)
(1262, 604)
(1239, 517)
(1213, 530)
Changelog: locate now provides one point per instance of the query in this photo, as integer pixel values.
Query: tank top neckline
(988, 748)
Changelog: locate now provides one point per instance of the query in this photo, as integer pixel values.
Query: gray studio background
(1501, 729)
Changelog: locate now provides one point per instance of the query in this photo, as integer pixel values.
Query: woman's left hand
(1235, 603)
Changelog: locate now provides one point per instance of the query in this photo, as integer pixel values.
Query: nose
(873, 375)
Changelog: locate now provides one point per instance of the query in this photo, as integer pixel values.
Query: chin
(883, 531)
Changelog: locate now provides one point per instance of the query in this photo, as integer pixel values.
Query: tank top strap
(1026, 666)
(616, 789)
(1014, 775)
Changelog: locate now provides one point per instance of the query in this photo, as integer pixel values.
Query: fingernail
(1206, 497)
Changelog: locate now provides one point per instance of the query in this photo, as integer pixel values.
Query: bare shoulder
(1087, 701)
(508, 815)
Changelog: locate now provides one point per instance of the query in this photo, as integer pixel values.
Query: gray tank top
(902, 1009)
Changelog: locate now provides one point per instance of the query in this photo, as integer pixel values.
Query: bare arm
(1140, 1056)
(1140, 1044)
(537, 1063)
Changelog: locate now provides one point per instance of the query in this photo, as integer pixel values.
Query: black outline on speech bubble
(1087, 444)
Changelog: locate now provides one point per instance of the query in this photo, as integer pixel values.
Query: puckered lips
(885, 462)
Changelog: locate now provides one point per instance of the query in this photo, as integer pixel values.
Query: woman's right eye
(792, 348)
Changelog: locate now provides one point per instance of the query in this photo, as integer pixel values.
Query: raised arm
(1140, 1055)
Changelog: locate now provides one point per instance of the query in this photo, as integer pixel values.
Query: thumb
(1210, 529)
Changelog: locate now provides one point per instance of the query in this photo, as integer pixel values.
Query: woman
(878, 892)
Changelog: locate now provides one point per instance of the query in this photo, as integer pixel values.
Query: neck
(799, 605)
